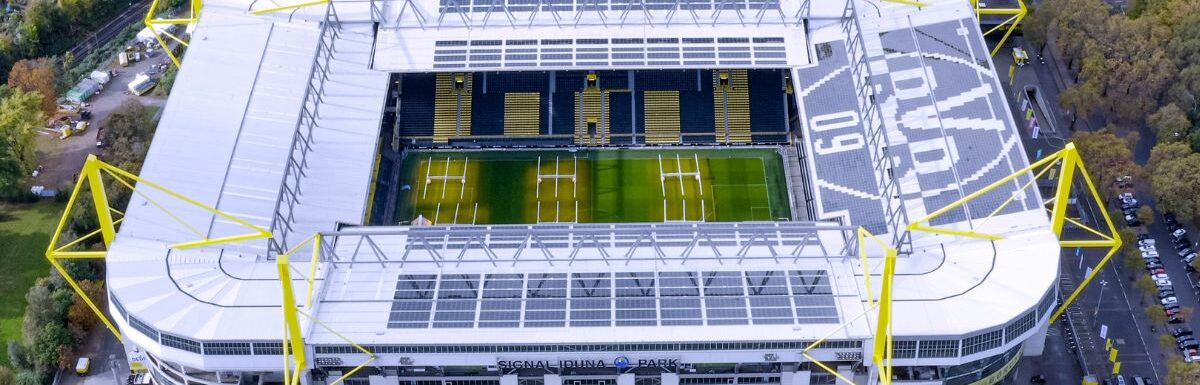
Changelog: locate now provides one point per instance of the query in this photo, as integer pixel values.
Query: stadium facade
(295, 121)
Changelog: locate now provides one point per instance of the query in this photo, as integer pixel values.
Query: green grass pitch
(592, 186)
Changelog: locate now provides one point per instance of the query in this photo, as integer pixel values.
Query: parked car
(1170, 221)
(1131, 220)
(1150, 254)
(1174, 320)
(1169, 301)
(1165, 292)
(1179, 332)
(1147, 247)
(1179, 233)
(1144, 239)
(1161, 280)
(1156, 270)
(1184, 252)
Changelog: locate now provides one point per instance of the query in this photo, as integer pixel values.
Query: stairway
(731, 107)
(522, 113)
(452, 107)
(661, 112)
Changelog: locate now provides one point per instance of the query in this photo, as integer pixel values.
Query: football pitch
(592, 186)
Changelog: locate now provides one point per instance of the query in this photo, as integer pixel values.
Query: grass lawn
(24, 231)
(593, 186)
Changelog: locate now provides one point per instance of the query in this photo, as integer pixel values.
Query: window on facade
(937, 348)
(981, 342)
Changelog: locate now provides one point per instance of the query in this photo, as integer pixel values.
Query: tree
(29, 377)
(1181, 372)
(1107, 157)
(1145, 284)
(45, 29)
(19, 121)
(40, 311)
(1166, 341)
(1174, 179)
(128, 131)
(1184, 49)
(44, 350)
(1170, 122)
(1156, 314)
(79, 315)
(1146, 215)
(17, 356)
(37, 75)
(166, 82)
(7, 377)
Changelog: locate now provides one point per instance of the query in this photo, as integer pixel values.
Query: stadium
(583, 192)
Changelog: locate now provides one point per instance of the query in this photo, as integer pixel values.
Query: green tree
(17, 356)
(1184, 49)
(1145, 284)
(128, 131)
(45, 29)
(1156, 314)
(1108, 157)
(1170, 122)
(1180, 372)
(7, 377)
(29, 377)
(1146, 215)
(1174, 178)
(19, 121)
(166, 82)
(45, 347)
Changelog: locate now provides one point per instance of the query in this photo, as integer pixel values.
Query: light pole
(1100, 300)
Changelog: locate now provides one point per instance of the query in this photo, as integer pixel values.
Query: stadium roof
(228, 139)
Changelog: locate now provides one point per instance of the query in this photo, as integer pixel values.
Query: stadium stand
(521, 113)
(593, 108)
(416, 107)
(452, 106)
(662, 117)
(768, 106)
(731, 102)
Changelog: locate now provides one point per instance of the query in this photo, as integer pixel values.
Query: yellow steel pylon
(93, 173)
(1010, 25)
(1069, 164)
(193, 8)
(882, 352)
(295, 359)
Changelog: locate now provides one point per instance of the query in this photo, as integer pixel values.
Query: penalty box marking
(558, 177)
(680, 175)
(445, 178)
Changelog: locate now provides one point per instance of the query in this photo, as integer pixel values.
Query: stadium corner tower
(584, 192)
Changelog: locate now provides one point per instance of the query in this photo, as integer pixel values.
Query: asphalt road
(1118, 305)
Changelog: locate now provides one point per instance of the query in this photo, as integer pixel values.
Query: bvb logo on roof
(621, 362)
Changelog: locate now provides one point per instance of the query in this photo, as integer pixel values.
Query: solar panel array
(770, 297)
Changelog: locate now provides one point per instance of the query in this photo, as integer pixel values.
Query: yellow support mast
(295, 359)
(882, 346)
(194, 13)
(1009, 25)
(94, 174)
(1069, 164)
